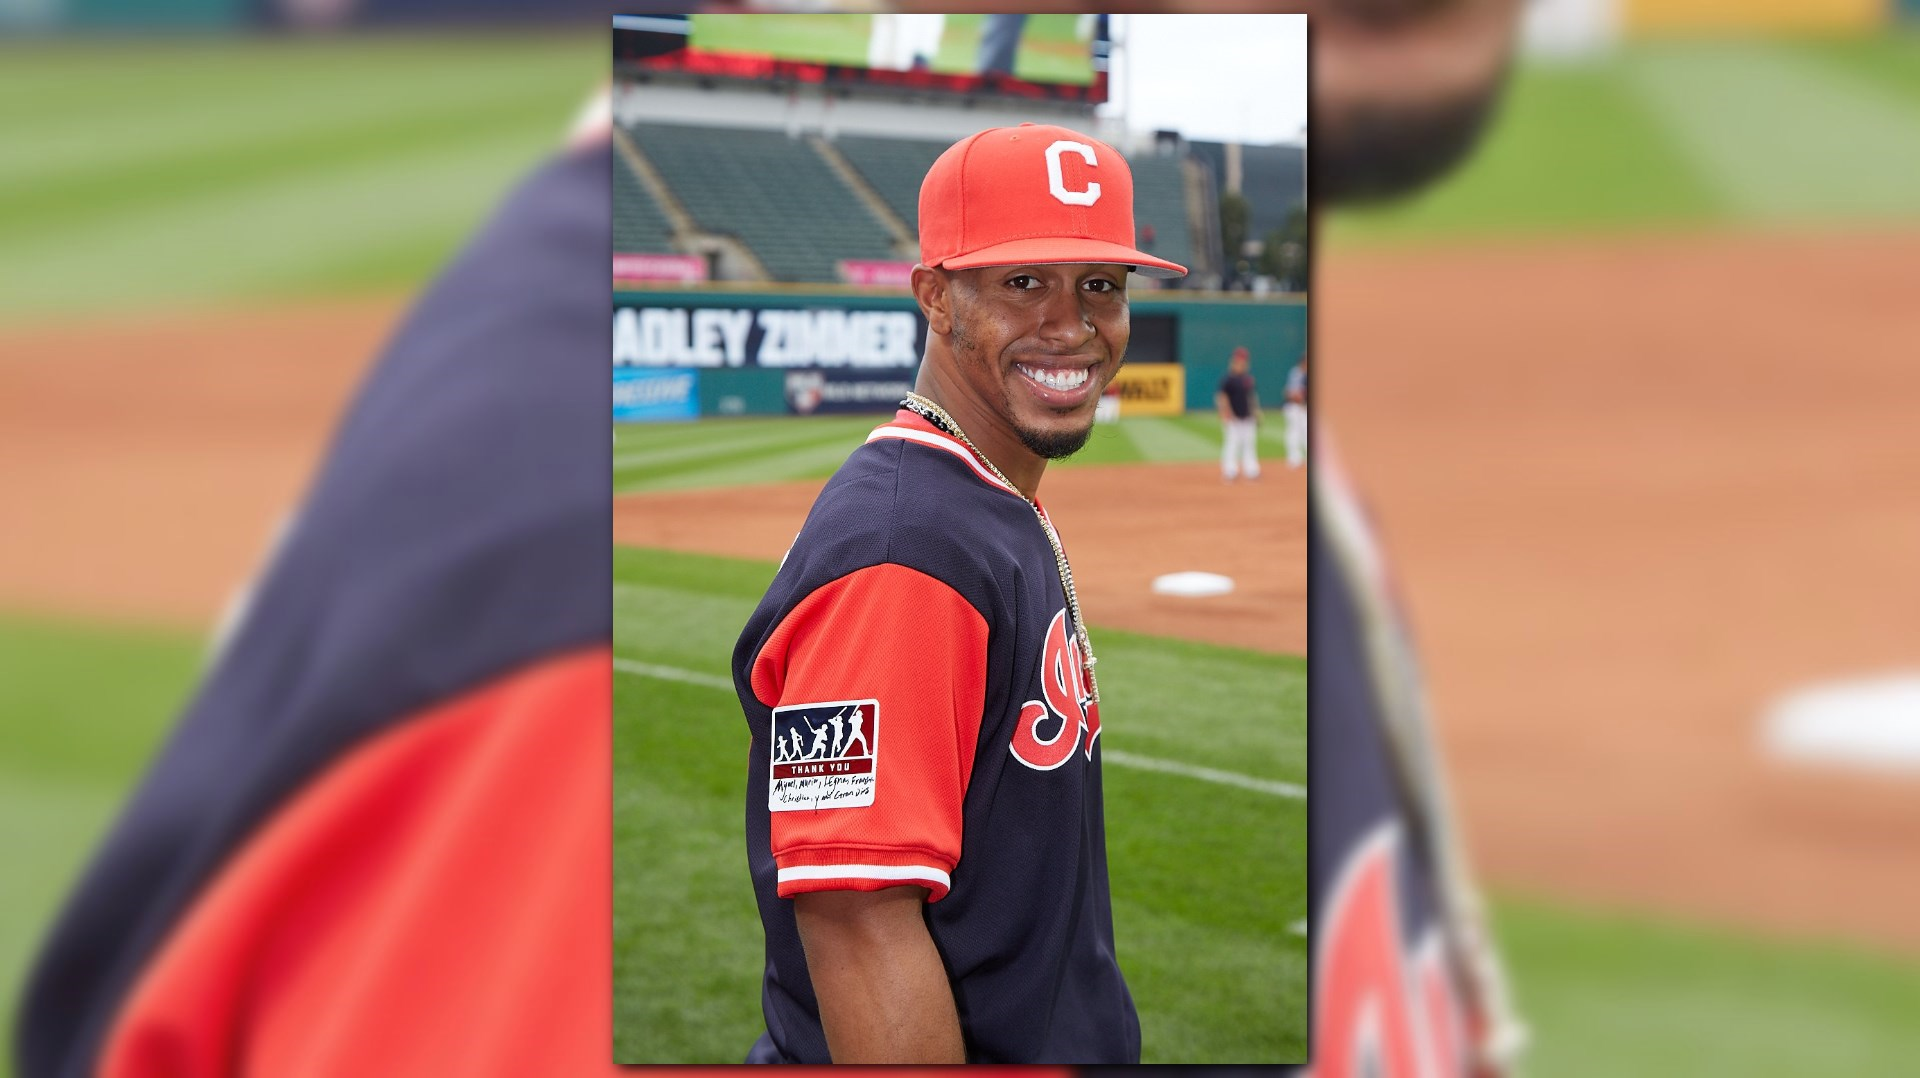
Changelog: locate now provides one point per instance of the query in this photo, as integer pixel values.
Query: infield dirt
(150, 461)
(1123, 525)
(1632, 490)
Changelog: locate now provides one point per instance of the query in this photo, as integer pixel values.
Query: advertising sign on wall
(828, 392)
(1152, 389)
(644, 394)
(745, 343)
(670, 336)
(872, 272)
(683, 269)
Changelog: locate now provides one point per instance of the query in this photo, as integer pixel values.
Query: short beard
(1054, 445)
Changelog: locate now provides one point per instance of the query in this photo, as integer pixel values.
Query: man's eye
(1101, 284)
(1023, 281)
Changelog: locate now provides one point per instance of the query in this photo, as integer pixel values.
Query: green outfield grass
(1049, 51)
(728, 452)
(1684, 133)
(1605, 995)
(1612, 994)
(81, 710)
(1206, 877)
(207, 171)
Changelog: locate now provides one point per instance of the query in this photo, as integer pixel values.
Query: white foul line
(1112, 756)
(1205, 774)
(672, 673)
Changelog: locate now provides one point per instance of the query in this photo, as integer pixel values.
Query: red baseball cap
(1031, 195)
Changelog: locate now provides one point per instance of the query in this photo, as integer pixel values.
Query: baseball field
(1630, 396)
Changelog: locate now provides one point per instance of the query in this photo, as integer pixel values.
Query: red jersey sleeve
(876, 681)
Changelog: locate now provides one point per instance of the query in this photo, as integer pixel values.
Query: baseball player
(942, 898)
(1296, 414)
(1239, 408)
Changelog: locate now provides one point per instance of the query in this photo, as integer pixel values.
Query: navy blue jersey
(1403, 981)
(920, 716)
(1240, 394)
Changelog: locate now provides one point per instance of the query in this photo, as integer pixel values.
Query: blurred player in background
(376, 843)
(1000, 43)
(1239, 405)
(1296, 414)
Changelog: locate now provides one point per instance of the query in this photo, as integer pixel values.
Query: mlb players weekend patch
(823, 755)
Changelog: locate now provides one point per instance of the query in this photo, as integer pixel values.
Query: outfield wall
(679, 353)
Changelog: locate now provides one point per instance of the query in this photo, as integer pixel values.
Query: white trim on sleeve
(924, 873)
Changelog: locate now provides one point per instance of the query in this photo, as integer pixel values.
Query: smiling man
(936, 892)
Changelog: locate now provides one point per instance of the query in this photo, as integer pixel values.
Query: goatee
(1055, 444)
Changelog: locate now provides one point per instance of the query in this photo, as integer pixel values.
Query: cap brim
(1042, 251)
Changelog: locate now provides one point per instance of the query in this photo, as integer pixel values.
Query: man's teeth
(1067, 379)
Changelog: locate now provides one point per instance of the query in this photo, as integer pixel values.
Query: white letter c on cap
(1058, 185)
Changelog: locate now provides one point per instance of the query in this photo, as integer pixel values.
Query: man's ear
(934, 291)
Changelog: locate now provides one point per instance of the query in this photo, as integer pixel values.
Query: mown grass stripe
(1887, 61)
(265, 238)
(679, 455)
(1108, 444)
(692, 447)
(235, 123)
(1163, 440)
(1573, 148)
(727, 457)
(98, 102)
(1783, 136)
(800, 462)
(105, 193)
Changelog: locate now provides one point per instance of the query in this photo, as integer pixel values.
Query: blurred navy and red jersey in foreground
(377, 841)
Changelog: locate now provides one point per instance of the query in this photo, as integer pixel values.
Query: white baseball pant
(1238, 453)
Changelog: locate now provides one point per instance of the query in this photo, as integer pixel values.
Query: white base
(1192, 584)
(1868, 723)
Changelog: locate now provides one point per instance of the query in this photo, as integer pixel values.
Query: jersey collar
(913, 427)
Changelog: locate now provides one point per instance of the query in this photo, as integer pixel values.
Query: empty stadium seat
(1273, 179)
(638, 225)
(1160, 204)
(894, 168)
(773, 193)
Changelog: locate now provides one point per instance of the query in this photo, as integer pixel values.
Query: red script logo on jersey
(1380, 1007)
(1069, 710)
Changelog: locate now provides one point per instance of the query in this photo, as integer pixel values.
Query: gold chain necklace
(938, 416)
